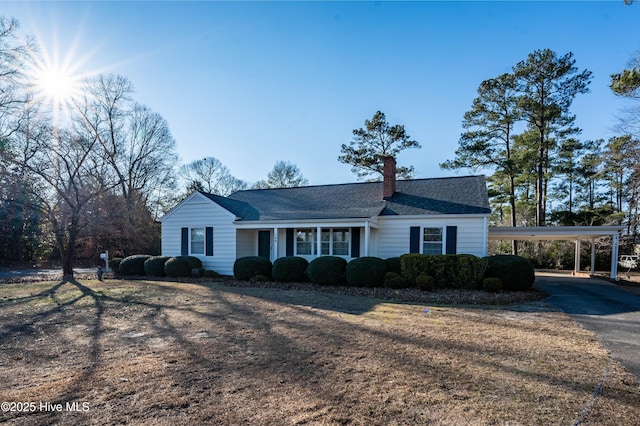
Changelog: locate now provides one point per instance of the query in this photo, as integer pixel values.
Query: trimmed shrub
(154, 266)
(393, 265)
(327, 270)
(114, 264)
(425, 282)
(290, 269)
(448, 270)
(413, 265)
(133, 265)
(366, 271)
(258, 279)
(248, 267)
(471, 270)
(492, 285)
(177, 267)
(515, 272)
(193, 261)
(394, 280)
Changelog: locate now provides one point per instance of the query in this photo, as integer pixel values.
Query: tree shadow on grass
(216, 354)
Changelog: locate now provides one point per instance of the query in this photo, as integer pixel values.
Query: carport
(567, 233)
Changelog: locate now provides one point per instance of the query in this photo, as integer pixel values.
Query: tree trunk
(67, 265)
(539, 196)
(512, 203)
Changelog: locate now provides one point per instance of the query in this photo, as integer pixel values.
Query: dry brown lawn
(163, 353)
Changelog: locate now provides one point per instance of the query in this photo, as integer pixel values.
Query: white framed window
(197, 240)
(340, 242)
(333, 242)
(305, 242)
(432, 241)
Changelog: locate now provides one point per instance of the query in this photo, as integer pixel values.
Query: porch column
(275, 243)
(318, 241)
(576, 267)
(367, 235)
(614, 255)
(593, 256)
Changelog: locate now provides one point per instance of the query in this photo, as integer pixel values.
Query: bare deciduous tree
(210, 175)
(283, 175)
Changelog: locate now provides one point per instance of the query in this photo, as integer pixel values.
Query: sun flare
(56, 85)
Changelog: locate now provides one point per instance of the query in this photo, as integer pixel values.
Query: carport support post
(615, 239)
(593, 257)
(576, 267)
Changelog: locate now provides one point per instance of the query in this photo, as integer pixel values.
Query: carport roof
(552, 232)
(573, 233)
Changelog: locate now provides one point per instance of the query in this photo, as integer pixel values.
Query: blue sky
(251, 83)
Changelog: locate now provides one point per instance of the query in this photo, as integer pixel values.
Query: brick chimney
(389, 177)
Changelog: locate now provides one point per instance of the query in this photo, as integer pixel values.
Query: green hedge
(248, 267)
(425, 282)
(114, 264)
(194, 262)
(394, 280)
(327, 270)
(154, 266)
(290, 269)
(133, 265)
(394, 265)
(177, 267)
(515, 272)
(366, 272)
(463, 271)
(491, 284)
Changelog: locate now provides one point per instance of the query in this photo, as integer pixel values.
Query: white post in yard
(105, 256)
(576, 267)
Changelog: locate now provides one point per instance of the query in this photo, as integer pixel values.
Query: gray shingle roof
(455, 195)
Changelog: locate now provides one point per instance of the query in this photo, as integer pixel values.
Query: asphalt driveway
(611, 312)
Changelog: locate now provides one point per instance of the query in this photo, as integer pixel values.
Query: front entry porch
(347, 239)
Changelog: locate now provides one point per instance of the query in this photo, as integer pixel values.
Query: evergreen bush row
(425, 272)
(158, 266)
(462, 271)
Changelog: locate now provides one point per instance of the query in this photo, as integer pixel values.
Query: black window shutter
(289, 242)
(452, 239)
(355, 242)
(184, 248)
(209, 241)
(414, 239)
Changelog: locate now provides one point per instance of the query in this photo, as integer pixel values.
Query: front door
(264, 244)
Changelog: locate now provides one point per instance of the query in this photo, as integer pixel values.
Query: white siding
(392, 236)
(247, 243)
(199, 211)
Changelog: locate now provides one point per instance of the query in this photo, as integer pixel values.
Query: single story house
(383, 219)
